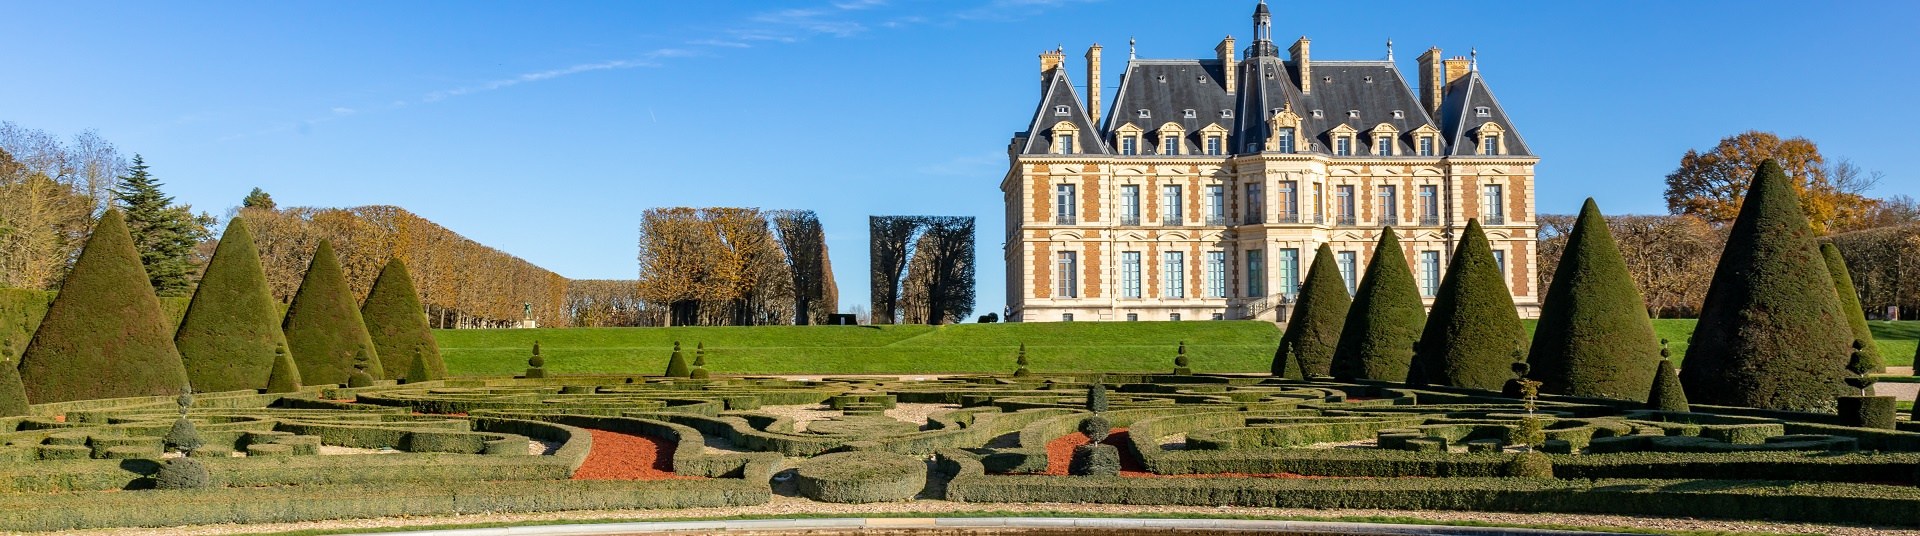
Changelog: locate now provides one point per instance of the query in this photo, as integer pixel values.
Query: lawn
(1215, 346)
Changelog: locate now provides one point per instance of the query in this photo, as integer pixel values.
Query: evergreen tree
(1765, 339)
(258, 199)
(163, 233)
(1667, 394)
(324, 329)
(417, 368)
(1474, 329)
(1850, 305)
(1385, 321)
(232, 326)
(1594, 338)
(677, 365)
(13, 394)
(104, 336)
(398, 324)
(285, 377)
(1313, 330)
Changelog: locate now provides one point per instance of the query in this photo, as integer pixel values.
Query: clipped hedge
(862, 477)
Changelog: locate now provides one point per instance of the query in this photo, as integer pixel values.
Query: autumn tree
(1712, 184)
(1882, 264)
(676, 261)
(804, 244)
(257, 199)
(950, 266)
(890, 244)
(50, 191)
(1670, 258)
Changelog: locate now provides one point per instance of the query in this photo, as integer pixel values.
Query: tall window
(1383, 146)
(1063, 203)
(1494, 211)
(1500, 260)
(1069, 268)
(1170, 213)
(1349, 270)
(1130, 204)
(1429, 273)
(1389, 209)
(1213, 145)
(1255, 211)
(1490, 145)
(1343, 146)
(1216, 205)
(1256, 274)
(1284, 140)
(1429, 205)
(1175, 268)
(1066, 144)
(1130, 274)
(1216, 274)
(1343, 204)
(1130, 145)
(1289, 202)
(1170, 145)
(1319, 202)
(1289, 265)
(1426, 146)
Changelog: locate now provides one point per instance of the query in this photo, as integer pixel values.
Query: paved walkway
(1104, 525)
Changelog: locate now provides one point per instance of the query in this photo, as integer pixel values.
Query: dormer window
(1060, 110)
(1482, 111)
(1426, 146)
(1065, 138)
(1399, 114)
(1353, 114)
(1065, 146)
(1317, 113)
(1214, 145)
(1283, 140)
(1128, 138)
(1171, 135)
(1144, 113)
(1383, 146)
(1491, 138)
(1489, 145)
(1426, 140)
(1170, 145)
(1226, 114)
(1341, 138)
(1189, 113)
(1213, 140)
(1343, 146)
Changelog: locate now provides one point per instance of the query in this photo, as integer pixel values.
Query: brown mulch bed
(1060, 457)
(617, 456)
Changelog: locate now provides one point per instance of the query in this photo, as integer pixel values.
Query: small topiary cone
(417, 369)
(677, 365)
(1180, 362)
(1667, 393)
(537, 364)
(1021, 360)
(286, 374)
(362, 375)
(700, 362)
(1097, 396)
(1291, 368)
(13, 394)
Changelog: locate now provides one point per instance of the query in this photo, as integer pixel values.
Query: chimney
(1430, 81)
(1049, 61)
(1457, 68)
(1093, 83)
(1227, 67)
(1299, 51)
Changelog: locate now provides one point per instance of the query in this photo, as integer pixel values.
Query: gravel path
(782, 505)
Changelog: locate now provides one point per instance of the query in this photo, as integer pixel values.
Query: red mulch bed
(1060, 457)
(617, 456)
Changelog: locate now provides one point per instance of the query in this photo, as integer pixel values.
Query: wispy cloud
(646, 60)
(1013, 9)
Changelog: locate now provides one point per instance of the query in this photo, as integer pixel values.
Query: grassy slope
(1224, 346)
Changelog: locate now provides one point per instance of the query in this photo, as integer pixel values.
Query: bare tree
(804, 243)
(950, 265)
(890, 243)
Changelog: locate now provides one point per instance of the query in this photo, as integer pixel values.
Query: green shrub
(1096, 427)
(1021, 360)
(677, 365)
(1867, 411)
(285, 377)
(397, 325)
(1764, 338)
(1097, 396)
(1530, 464)
(183, 436)
(1474, 329)
(183, 473)
(1385, 320)
(232, 327)
(861, 477)
(1313, 328)
(1667, 394)
(537, 364)
(104, 336)
(1594, 338)
(1094, 459)
(13, 394)
(324, 329)
(1850, 306)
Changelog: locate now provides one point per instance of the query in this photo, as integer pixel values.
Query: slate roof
(1360, 94)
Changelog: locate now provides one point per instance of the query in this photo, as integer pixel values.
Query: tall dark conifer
(164, 234)
(324, 330)
(1594, 338)
(232, 326)
(1385, 321)
(1474, 331)
(1850, 305)
(1313, 329)
(1765, 337)
(398, 325)
(104, 336)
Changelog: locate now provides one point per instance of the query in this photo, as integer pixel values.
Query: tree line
(922, 268)
(722, 266)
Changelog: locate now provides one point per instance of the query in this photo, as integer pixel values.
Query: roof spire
(1389, 49)
(1473, 65)
(1130, 50)
(1262, 33)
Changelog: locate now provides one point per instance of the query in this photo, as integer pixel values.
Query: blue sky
(543, 129)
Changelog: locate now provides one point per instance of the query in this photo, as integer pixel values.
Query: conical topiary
(104, 336)
(537, 364)
(398, 325)
(362, 375)
(1384, 322)
(1765, 337)
(232, 326)
(1021, 360)
(699, 362)
(677, 365)
(323, 325)
(13, 394)
(1850, 305)
(1182, 365)
(1290, 365)
(1474, 329)
(285, 377)
(1667, 394)
(1097, 395)
(417, 368)
(1594, 338)
(1313, 329)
